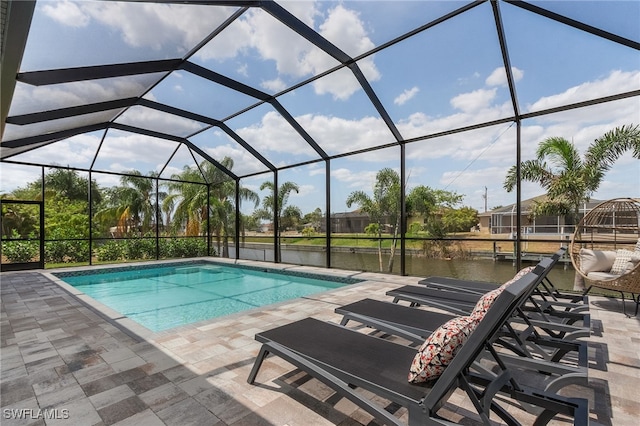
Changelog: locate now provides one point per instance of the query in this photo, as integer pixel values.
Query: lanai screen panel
(77, 152)
(274, 138)
(31, 99)
(85, 33)
(578, 66)
(14, 176)
(14, 132)
(585, 125)
(122, 152)
(183, 158)
(356, 26)
(465, 163)
(261, 52)
(218, 144)
(193, 93)
(615, 17)
(159, 121)
(337, 113)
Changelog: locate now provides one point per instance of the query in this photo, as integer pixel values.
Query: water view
(478, 269)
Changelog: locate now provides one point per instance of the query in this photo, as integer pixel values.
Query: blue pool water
(163, 297)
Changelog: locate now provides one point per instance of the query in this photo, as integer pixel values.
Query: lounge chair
(415, 324)
(461, 303)
(347, 360)
(522, 337)
(534, 355)
(546, 289)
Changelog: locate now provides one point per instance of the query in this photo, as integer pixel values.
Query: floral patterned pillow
(485, 302)
(440, 348)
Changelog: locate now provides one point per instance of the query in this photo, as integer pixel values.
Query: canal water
(562, 275)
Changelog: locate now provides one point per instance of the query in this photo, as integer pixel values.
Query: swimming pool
(161, 297)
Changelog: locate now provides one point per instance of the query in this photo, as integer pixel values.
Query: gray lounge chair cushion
(439, 349)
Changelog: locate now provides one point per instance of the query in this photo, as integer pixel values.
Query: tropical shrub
(111, 251)
(19, 250)
(64, 246)
(140, 248)
(183, 247)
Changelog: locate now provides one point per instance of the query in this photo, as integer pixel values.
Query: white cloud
(67, 13)
(274, 86)
(243, 162)
(341, 84)
(616, 82)
(275, 134)
(499, 77)
(406, 96)
(243, 69)
(355, 180)
(175, 29)
(474, 101)
(344, 29)
(316, 170)
(337, 135)
(303, 191)
(15, 176)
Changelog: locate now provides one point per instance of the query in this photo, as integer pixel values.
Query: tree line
(202, 198)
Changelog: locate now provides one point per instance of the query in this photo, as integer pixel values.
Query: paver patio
(63, 358)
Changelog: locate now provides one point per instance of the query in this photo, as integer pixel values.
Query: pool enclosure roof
(271, 84)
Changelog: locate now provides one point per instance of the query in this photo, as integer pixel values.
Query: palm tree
(133, 204)
(189, 201)
(569, 179)
(267, 212)
(385, 204)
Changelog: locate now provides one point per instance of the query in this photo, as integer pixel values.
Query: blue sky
(447, 77)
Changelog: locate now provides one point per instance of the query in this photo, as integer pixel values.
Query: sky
(449, 76)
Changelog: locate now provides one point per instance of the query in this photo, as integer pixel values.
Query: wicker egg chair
(606, 235)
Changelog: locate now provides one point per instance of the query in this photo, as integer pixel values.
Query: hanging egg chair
(605, 249)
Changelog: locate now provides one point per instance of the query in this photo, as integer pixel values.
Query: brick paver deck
(64, 363)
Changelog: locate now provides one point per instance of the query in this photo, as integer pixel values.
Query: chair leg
(257, 364)
(624, 305)
(637, 300)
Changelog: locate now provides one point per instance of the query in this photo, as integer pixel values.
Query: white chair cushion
(596, 260)
(632, 263)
